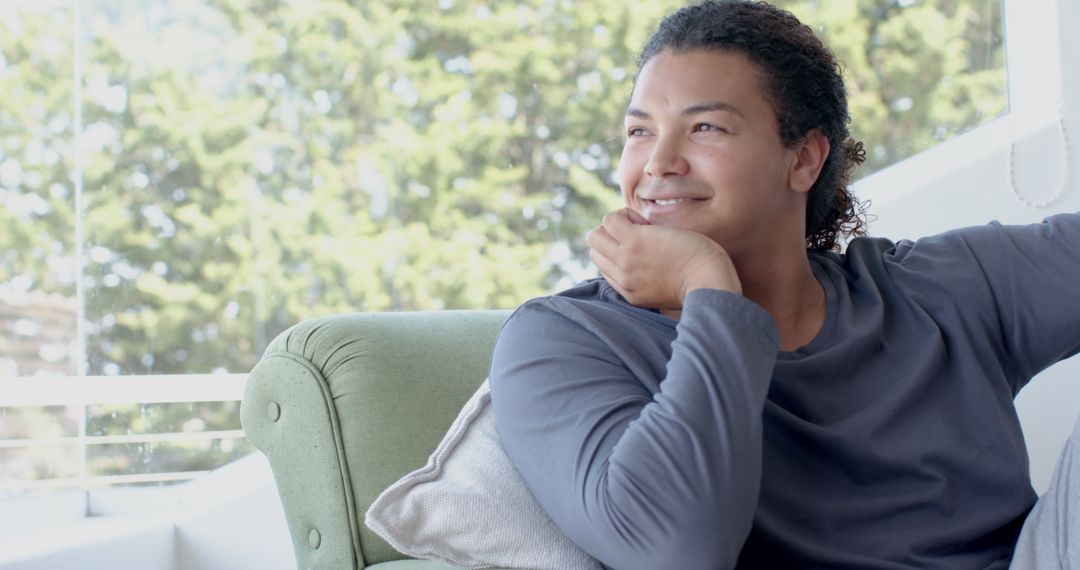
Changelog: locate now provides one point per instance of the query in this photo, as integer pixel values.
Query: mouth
(670, 202)
(654, 209)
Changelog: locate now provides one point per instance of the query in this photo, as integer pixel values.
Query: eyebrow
(692, 110)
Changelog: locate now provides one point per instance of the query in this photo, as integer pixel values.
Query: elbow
(635, 528)
(711, 542)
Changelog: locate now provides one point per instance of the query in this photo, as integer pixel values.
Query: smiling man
(704, 153)
(734, 391)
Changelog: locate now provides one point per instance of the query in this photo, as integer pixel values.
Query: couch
(344, 405)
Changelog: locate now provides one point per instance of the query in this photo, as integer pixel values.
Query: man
(735, 393)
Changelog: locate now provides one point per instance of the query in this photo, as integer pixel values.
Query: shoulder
(588, 302)
(971, 245)
(965, 263)
(591, 316)
(934, 265)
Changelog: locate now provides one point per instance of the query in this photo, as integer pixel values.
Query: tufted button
(314, 538)
(273, 411)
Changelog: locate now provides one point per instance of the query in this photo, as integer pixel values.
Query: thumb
(636, 218)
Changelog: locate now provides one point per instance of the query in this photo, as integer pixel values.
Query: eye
(709, 128)
(636, 132)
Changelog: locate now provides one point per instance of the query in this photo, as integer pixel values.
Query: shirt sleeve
(637, 480)
(1023, 281)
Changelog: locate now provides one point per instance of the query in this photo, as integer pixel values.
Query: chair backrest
(345, 405)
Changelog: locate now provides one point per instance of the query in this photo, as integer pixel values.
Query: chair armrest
(345, 405)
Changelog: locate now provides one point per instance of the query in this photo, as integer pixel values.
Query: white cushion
(469, 507)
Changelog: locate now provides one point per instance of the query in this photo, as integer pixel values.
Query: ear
(808, 159)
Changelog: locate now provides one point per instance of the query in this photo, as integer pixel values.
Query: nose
(666, 158)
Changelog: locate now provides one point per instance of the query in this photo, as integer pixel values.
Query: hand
(654, 266)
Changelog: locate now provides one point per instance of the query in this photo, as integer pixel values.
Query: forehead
(683, 79)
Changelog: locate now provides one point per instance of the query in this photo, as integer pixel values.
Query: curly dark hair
(805, 86)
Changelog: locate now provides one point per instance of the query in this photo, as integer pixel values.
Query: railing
(95, 390)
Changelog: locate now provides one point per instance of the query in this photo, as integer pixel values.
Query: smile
(655, 209)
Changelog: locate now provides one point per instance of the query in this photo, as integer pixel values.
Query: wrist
(719, 276)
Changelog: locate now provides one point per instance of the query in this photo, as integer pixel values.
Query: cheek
(627, 190)
(739, 168)
(628, 174)
(716, 160)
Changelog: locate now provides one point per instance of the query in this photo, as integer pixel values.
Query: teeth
(670, 202)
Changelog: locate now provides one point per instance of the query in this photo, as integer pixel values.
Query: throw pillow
(469, 507)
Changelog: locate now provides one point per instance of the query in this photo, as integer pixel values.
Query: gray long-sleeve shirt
(889, 441)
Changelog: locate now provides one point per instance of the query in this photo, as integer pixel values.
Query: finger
(616, 222)
(602, 241)
(608, 269)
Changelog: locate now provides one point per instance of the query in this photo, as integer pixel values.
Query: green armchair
(345, 405)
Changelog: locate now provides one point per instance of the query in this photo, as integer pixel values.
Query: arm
(1022, 281)
(637, 480)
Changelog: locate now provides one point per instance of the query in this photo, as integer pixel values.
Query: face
(703, 151)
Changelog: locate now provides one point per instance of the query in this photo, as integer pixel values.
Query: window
(181, 181)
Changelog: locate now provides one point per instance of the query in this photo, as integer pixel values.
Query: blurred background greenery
(246, 164)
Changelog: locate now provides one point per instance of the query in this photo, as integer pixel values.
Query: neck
(785, 286)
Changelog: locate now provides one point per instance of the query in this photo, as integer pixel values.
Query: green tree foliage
(37, 228)
(251, 163)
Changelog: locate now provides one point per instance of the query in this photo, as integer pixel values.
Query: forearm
(641, 480)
